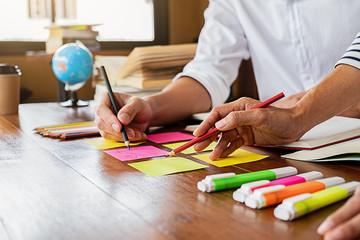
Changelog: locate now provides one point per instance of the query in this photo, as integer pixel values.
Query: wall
(185, 20)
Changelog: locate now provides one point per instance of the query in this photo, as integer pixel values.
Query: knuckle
(215, 110)
(233, 117)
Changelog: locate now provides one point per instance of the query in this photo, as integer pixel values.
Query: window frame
(161, 36)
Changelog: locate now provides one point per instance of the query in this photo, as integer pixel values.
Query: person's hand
(135, 114)
(269, 125)
(344, 223)
(291, 100)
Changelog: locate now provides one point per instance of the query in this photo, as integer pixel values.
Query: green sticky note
(108, 144)
(190, 150)
(237, 157)
(164, 166)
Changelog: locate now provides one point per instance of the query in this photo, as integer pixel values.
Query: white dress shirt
(293, 44)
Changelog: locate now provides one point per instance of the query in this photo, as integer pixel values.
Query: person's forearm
(338, 91)
(178, 101)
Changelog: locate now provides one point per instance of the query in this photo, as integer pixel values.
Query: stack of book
(60, 35)
(147, 67)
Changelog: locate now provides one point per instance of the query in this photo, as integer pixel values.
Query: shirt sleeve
(221, 47)
(352, 55)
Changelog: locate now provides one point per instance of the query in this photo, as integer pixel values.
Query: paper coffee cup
(9, 89)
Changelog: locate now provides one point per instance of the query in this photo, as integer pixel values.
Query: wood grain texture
(52, 189)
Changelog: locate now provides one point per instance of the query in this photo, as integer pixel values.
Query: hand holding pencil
(236, 133)
(114, 104)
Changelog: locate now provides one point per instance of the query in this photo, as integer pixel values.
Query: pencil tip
(170, 154)
(127, 144)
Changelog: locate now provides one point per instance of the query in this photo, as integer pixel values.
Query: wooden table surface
(52, 189)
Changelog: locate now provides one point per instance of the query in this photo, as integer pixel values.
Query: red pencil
(216, 131)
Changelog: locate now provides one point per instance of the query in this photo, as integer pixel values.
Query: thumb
(128, 112)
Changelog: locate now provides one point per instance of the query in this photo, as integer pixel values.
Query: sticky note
(169, 137)
(108, 144)
(237, 157)
(125, 154)
(164, 166)
(189, 150)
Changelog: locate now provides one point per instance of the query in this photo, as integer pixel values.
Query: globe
(72, 64)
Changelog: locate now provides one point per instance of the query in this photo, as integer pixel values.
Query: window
(121, 23)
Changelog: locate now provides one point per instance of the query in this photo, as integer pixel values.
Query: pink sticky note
(169, 137)
(125, 154)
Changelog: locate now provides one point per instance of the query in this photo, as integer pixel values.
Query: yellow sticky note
(190, 150)
(164, 166)
(237, 157)
(108, 144)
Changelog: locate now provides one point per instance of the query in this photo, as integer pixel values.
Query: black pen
(115, 105)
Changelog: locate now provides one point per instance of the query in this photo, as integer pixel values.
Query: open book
(345, 151)
(333, 131)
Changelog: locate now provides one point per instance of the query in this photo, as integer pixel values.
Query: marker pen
(248, 188)
(303, 204)
(218, 182)
(264, 197)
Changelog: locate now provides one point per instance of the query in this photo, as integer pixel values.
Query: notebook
(333, 131)
(345, 151)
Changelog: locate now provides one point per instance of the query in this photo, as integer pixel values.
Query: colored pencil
(214, 130)
(70, 130)
(77, 134)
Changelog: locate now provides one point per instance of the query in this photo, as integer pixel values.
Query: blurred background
(120, 25)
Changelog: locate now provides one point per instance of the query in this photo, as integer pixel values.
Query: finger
(220, 112)
(347, 230)
(204, 144)
(109, 136)
(216, 114)
(347, 211)
(239, 118)
(247, 135)
(222, 144)
(138, 135)
(102, 125)
(106, 118)
(233, 146)
(133, 106)
(207, 124)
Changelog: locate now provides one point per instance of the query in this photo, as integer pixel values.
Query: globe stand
(72, 64)
(74, 101)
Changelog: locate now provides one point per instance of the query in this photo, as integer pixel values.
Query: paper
(125, 154)
(164, 166)
(169, 137)
(190, 150)
(237, 157)
(108, 144)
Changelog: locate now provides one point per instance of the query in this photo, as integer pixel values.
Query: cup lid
(9, 69)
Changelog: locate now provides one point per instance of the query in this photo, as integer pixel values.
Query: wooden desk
(51, 189)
